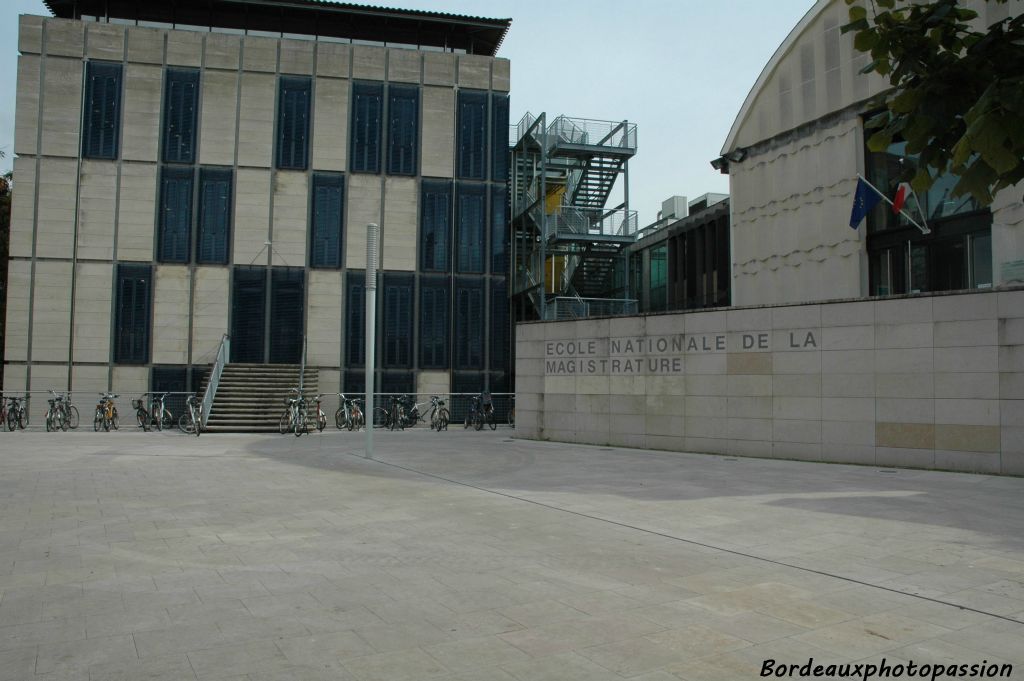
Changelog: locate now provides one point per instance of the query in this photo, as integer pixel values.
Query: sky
(679, 69)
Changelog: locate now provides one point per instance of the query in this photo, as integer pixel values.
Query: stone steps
(251, 397)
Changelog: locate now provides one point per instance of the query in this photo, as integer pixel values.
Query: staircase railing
(223, 352)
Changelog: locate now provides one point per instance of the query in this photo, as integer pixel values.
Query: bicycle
(411, 411)
(141, 413)
(294, 418)
(438, 414)
(349, 414)
(390, 417)
(191, 421)
(475, 415)
(321, 417)
(106, 413)
(488, 411)
(70, 412)
(512, 413)
(161, 415)
(14, 413)
(56, 416)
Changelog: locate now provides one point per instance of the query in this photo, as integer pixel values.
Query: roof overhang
(475, 35)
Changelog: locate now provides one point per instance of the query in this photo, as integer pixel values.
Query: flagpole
(920, 210)
(924, 230)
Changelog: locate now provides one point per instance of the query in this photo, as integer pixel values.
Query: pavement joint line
(683, 539)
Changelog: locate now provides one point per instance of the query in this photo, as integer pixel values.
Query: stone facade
(75, 219)
(919, 382)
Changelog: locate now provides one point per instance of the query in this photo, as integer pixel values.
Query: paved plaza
(469, 555)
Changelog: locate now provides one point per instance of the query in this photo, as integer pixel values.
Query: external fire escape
(569, 248)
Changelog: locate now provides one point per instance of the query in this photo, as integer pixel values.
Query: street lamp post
(372, 254)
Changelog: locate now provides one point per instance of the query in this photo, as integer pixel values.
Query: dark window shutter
(134, 293)
(434, 318)
(499, 141)
(327, 220)
(101, 124)
(293, 105)
(248, 314)
(499, 231)
(472, 129)
(469, 323)
(181, 106)
(175, 219)
(214, 215)
(435, 226)
(287, 314)
(397, 321)
(471, 216)
(500, 326)
(355, 321)
(403, 129)
(367, 105)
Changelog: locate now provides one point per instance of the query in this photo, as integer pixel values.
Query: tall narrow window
(248, 314)
(367, 105)
(472, 142)
(403, 129)
(435, 226)
(499, 231)
(469, 323)
(134, 290)
(355, 319)
(175, 219)
(293, 122)
(101, 124)
(500, 337)
(214, 215)
(326, 221)
(471, 216)
(287, 314)
(434, 323)
(397, 321)
(181, 104)
(499, 141)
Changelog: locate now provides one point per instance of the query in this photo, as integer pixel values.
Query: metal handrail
(575, 307)
(223, 352)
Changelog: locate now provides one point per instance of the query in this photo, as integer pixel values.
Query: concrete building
(880, 346)
(189, 169)
(793, 156)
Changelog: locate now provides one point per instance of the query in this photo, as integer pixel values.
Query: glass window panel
(403, 129)
(981, 260)
(293, 122)
(435, 226)
(181, 104)
(214, 215)
(499, 143)
(472, 135)
(366, 129)
(355, 319)
(248, 314)
(327, 220)
(434, 322)
(287, 314)
(471, 216)
(101, 125)
(134, 291)
(175, 219)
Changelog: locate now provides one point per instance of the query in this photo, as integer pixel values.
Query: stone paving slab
(471, 556)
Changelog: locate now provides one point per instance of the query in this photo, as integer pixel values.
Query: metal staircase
(566, 243)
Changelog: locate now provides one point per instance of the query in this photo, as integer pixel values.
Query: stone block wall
(928, 381)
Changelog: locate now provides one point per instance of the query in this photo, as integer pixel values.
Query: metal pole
(372, 253)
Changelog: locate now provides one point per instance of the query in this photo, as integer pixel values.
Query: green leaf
(922, 180)
(857, 12)
(865, 41)
(859, 25)
(880, 141)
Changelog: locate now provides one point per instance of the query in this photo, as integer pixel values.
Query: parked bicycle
(156, 415)
(191, 420)
(438, 414)
(14, 414)
(106, 413)
(60, 414)
(475, 414)
(392, 416)
(349, 414)
(487, 406)
(295, 416)
(411, 411)
(321, 417)
(512, 413)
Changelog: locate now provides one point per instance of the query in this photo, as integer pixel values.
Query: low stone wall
(930, 381)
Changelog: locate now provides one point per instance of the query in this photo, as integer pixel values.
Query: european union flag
(864, 199)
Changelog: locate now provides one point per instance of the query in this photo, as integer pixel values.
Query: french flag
(902, 192)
